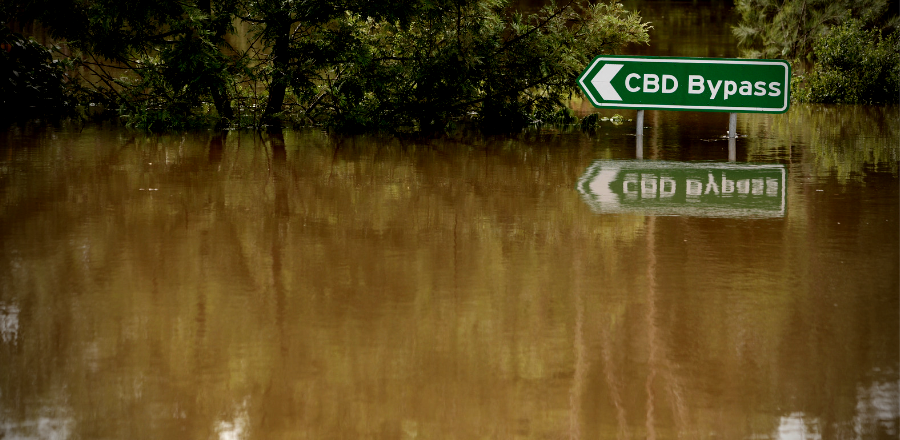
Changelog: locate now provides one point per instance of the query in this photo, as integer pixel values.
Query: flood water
(553, 284)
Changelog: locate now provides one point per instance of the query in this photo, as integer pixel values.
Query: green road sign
(697, 84)
(700, 189)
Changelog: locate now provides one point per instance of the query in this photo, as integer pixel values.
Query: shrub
(789, 29)
(32, 83)
(473, 61)
(854, 66)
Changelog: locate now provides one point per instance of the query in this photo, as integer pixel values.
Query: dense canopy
(414, 65)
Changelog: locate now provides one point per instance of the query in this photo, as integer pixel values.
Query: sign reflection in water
(699, 189)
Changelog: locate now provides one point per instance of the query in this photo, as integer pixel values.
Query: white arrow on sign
(601, 82)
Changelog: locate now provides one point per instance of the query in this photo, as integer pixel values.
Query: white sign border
(604, 58)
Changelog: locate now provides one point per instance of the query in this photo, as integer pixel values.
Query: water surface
(239, 285)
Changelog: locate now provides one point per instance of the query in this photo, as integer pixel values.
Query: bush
(474, 61)
(32, 83)
(789, 29)
(854, 66)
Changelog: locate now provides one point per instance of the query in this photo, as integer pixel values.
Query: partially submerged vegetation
(32, 83)
(844, 51)
(854, 65)
(410, 66)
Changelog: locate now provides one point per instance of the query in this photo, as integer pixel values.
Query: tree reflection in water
(314, 286)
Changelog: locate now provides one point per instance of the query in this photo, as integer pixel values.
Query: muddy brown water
(544, 285)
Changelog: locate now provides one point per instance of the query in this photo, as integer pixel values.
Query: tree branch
(535, 28)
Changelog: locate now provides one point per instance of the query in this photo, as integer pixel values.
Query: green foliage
(590, 121)
(470, 61)
(788, 29)
(836, 45)
(160, 63)
(174, 85)
(854, 66)
(32, 83)
(410, 66)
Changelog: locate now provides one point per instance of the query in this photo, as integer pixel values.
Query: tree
(788, 28)
(837, 46)
(32, 84)
(422, 66)
(157, 62)
(304, 39)
(460, 59)
(414, 65)
(855, 66)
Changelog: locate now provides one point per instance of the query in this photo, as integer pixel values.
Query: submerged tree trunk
(220, 100)
(217, 86)
(278, 88)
